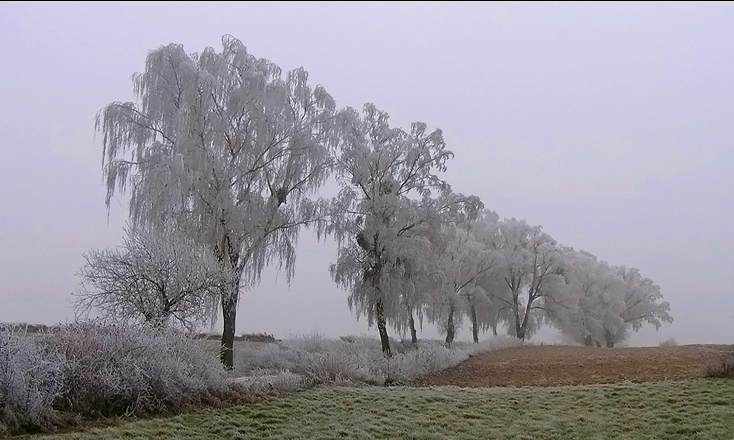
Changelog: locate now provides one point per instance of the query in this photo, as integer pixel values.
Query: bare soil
(549, 365)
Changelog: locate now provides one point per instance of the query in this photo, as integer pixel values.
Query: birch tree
(388, 178)
(229, 149)
(463, 258)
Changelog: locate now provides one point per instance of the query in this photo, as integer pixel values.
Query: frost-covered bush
(30, 380)
(124, 369)
(721, 368)
(669, 343)
(356, 359)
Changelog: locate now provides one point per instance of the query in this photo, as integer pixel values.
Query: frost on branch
(392, 202)
(229, 148)
(157, 277)
(610, 301)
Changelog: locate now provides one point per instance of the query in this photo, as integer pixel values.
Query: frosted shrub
(122, 369)
(669, 343)
(356, 359)
(30, 380)
(722, 368)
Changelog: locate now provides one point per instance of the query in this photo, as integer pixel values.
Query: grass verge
(693, 409)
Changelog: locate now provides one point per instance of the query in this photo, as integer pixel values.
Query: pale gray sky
(611, 125)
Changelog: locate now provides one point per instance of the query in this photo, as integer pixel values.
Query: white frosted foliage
(390, 201)
(230, 149)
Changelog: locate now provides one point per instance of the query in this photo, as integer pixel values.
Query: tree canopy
(231, 152)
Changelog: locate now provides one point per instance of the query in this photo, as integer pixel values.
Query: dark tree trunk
(520, 333)
(474, 327)
(588, 341)
(609, 338)
(382, 328)
(229, 257)
(598, 344)
(519, 330)
(520, 327)
(524, 326)
(229, 314)
(413, 334)
(450, 328)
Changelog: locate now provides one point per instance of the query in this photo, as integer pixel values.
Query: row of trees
(223, 155)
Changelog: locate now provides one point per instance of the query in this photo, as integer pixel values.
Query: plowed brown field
(548, 365)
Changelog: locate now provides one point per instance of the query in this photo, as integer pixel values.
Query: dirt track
(562, 365)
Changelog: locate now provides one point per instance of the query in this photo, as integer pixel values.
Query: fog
(608, 124)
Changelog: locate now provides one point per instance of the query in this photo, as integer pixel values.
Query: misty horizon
(607, 125)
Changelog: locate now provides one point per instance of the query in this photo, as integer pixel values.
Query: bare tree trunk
(229, 257)
(382, 328)
(521, 328)
(474, 327)
(519, 332)
(598, 344)
(229, 314)
(413, 333)
(609, 338)
(494, 329)
(588, 341)
(450, 327)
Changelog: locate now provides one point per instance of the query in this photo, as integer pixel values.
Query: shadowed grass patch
(693, 409)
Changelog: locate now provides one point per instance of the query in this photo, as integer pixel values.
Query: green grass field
(694, 409)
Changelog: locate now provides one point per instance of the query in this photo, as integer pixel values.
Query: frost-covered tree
(463, 258)
(388, 179)
(609, 301)
(415, 283)
(490, 313)
(641, 304)
(229, 149)
(159, 277)
(532, 267)
(598, 299)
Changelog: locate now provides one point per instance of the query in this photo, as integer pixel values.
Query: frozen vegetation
(90, 370)
(223, 155)
(692, 409)
(355, 360)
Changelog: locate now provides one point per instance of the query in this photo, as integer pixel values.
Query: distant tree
(483, 310)
(490, 313)
(641, 304)
(388, 178)
(463, 259)
(159, 277)
(533, 269)
(609, 301)
(227, 148)
(599, 299)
